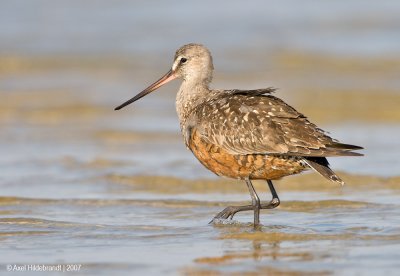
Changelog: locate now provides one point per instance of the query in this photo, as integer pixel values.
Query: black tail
(321, 166)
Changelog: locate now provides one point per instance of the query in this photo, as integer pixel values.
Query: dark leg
(255, 202)
(230, 211)
(275, 199)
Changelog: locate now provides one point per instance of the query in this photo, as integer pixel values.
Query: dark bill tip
(165, 79)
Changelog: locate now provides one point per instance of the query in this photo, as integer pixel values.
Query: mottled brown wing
(254, 123)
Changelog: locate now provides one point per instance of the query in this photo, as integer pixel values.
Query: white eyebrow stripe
(176, 63)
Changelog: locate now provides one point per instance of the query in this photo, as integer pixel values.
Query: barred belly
(254, 166)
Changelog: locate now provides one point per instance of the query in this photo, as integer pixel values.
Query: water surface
(118, 192)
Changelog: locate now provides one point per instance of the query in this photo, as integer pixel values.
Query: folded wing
(255, 122)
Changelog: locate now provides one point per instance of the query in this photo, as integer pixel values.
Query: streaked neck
(189, 96)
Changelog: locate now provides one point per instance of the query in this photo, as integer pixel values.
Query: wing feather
(259, 123)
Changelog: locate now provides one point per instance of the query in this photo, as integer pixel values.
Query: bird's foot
(272, 204)
(229, 212)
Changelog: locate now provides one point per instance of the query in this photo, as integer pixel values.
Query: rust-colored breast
(254, 166)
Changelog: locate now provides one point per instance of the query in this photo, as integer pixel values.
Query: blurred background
(64, 66)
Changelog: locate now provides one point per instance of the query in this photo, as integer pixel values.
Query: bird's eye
(183, 60)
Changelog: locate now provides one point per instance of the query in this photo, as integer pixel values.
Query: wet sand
(123, 228)
(113, 191)
(118, 192)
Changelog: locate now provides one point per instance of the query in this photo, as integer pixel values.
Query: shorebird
(244, 134)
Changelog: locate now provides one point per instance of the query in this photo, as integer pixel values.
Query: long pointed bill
(166, 78)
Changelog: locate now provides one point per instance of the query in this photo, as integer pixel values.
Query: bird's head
(192, 63)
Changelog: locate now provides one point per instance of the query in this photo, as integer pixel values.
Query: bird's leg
(275, 199)
(230, 211)
(255, 202)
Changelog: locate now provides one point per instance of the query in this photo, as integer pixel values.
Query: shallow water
(118, 193)
(152, 234)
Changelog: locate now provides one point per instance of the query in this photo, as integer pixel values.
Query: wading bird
(244, 134)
